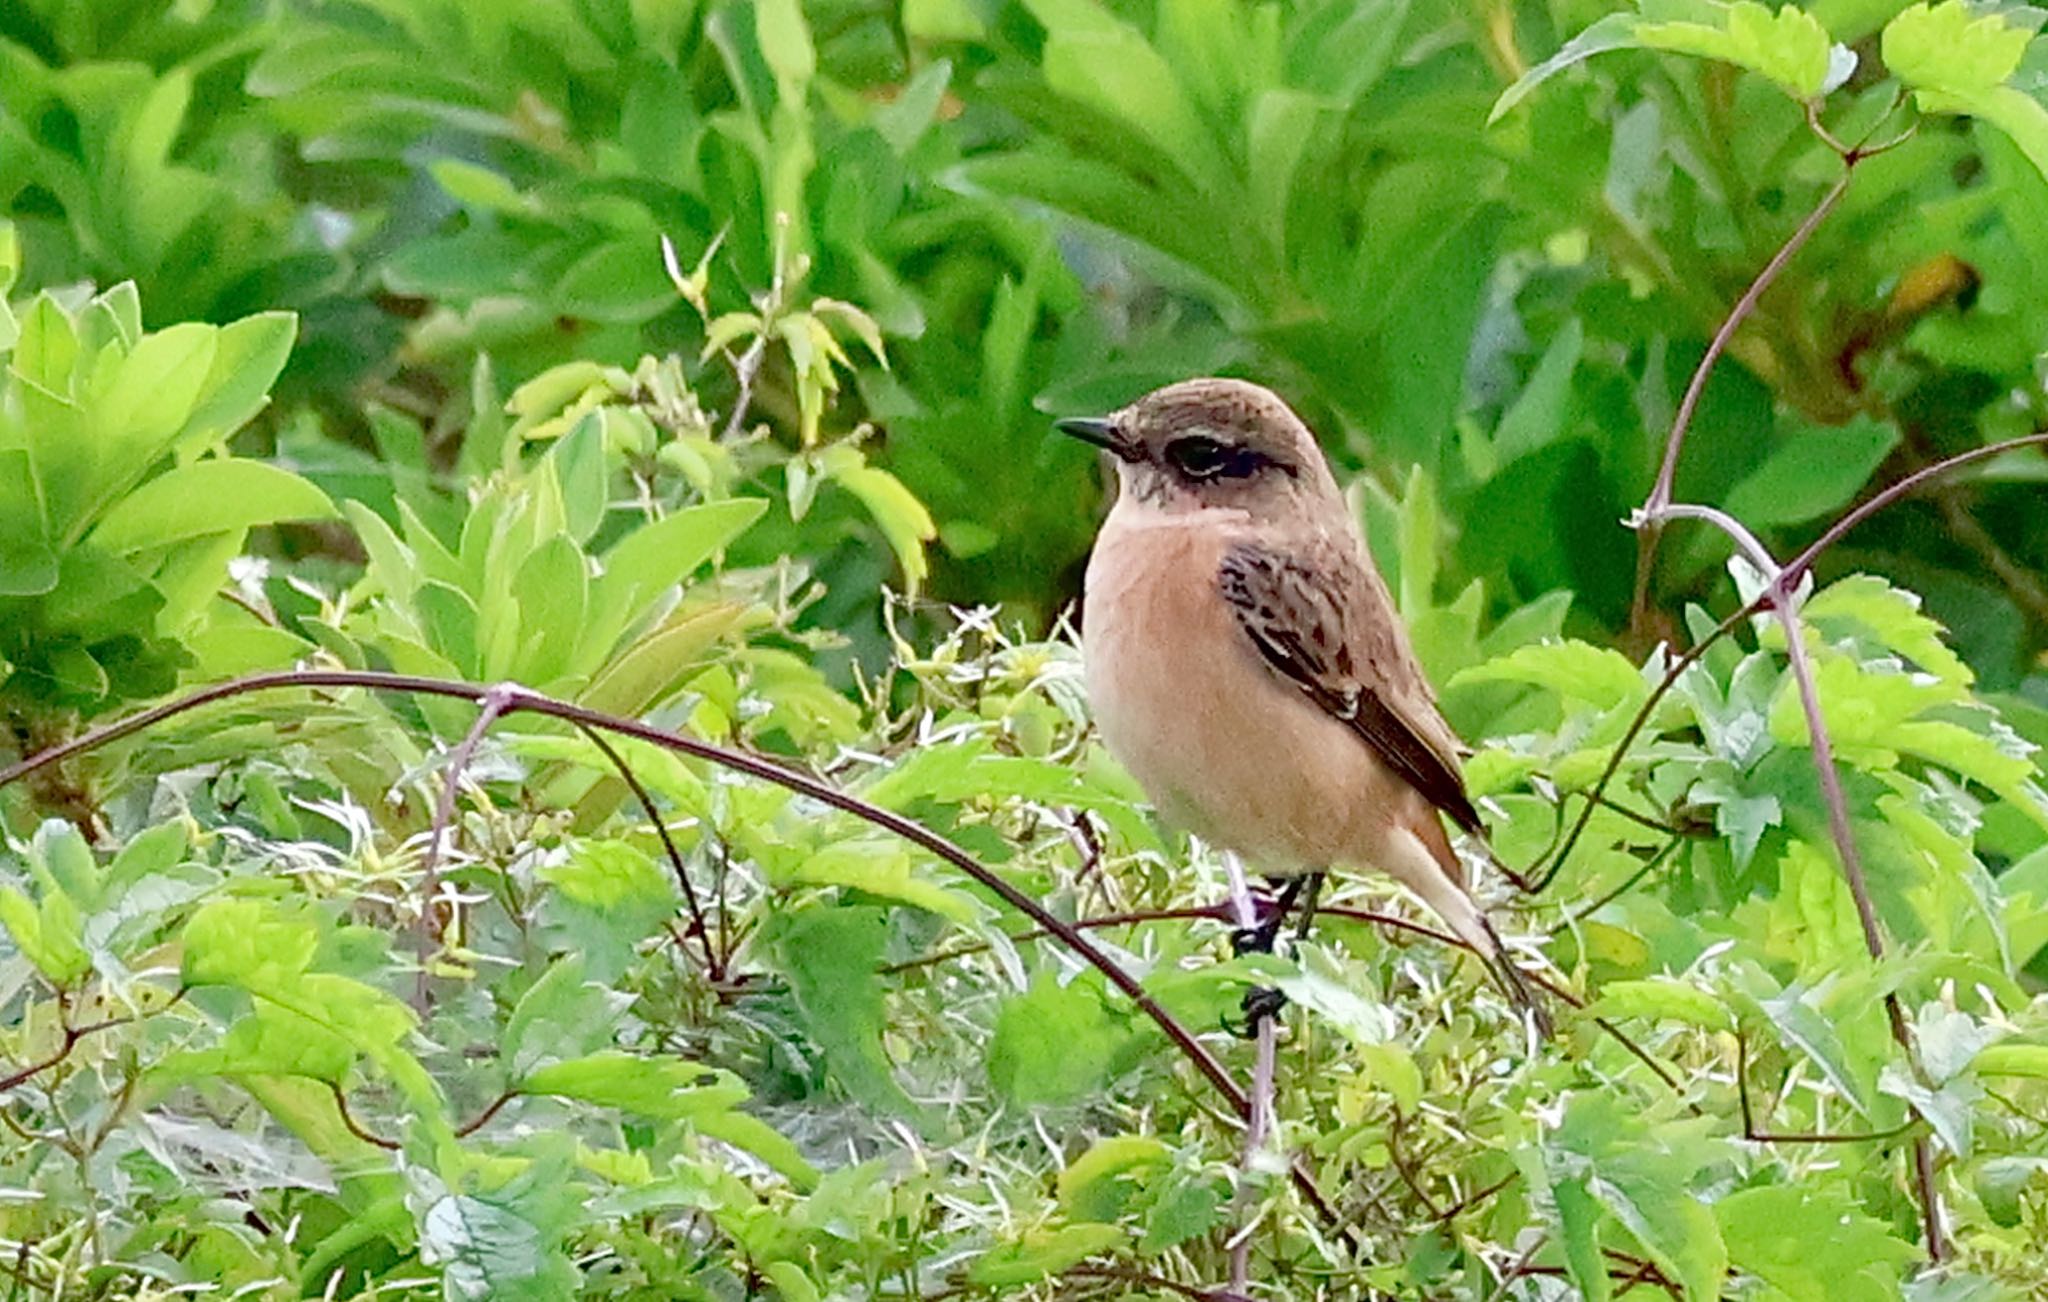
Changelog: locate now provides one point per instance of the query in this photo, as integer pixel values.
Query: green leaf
(1644, 1175)
(654, 558)
(154, 393)
(786, 44)
(653, 1086)
(621, 281)
(1616, 31)
(248, 355)
(1042, 1254)
(1813, 1243)
(1944, 48)
(1891, 617)
(476, 187)
(1815, 472)
(499, 1234)
(1578, 1225)
(903, 520)
(1188, 1206)
(1096, 59)
(2029, 1060)
(829, 955)
(563, 1015)
(1663, 998)
(647, 670)
(1789, 47)
(880, 868)
(1054, 1044)
(1577, 671)
(1097, 1185)
(269, 1041)
(608, 897)
(28, 564)
(1536, 417)
(577, 464)
(209, 497)
(762, 1140)
(51, 937)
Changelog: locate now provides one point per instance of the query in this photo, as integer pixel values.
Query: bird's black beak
(1097, 430)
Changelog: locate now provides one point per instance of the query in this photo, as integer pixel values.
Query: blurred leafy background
(698, 359)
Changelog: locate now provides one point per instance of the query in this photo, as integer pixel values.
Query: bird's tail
(1425, 862)
(1517, 987)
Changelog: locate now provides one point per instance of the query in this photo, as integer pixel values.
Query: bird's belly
(1222, 745)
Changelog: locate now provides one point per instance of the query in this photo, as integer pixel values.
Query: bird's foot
(1258, 939)
(1260, 1004)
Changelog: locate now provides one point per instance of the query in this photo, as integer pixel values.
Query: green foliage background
(695, 361)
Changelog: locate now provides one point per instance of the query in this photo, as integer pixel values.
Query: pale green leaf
(218, 495)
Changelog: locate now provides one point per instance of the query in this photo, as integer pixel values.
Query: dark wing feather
(1324, 621)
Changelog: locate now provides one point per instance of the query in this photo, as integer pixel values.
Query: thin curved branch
(1800, 564)
(1681, 424)
(713, 966)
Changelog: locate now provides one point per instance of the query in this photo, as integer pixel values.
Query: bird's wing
(1321, 617)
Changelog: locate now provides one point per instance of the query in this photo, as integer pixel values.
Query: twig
(1752, 1134)
(1793, 570)
(1635, 728)
(348, 1122)
(494, 702)
(1258, 1117)
(1784, 604)
(483, 1118)
(1667, 471)
(713, 965)
(1781, 597)
(1127, 1275)
(1649, 866)
(1800, 564)
(1406, 1170)
(744, 370)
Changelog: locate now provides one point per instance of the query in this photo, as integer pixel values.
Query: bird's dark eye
(1198, 457)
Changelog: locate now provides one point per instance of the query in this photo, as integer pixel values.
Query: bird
(1246, 665)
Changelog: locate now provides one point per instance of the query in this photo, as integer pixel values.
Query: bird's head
(1208, 444)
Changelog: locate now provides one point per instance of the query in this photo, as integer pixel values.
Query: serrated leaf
(1789, 47)
(829, 955)
(1097, 1185)
(1644, 1175)
(1577, 671)
(1054, 1044)
(1944, 48)
(1888, 616)
(1813, 1243)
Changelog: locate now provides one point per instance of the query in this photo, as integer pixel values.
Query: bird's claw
(1255, 940)
(1260, 1004)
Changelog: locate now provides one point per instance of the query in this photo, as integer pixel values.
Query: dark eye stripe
(1202, 458)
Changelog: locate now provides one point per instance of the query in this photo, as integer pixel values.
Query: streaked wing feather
(1324, 621)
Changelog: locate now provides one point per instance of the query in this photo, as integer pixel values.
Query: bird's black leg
(1260, 937)
(1262, 1002)
(1308, 907)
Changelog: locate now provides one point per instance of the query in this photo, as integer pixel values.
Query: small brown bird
(1246, 663)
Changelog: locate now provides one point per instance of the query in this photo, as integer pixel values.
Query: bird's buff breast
(1222, 745)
